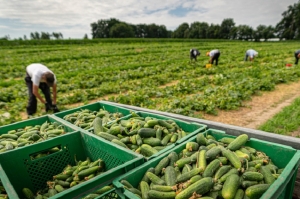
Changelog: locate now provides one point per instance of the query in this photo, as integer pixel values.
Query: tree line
(288, 28)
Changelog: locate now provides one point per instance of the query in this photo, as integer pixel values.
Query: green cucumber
(256, 191)
(211, 168)
(230, 186)
(238, 142)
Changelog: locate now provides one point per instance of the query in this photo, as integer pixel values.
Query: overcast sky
(73, 17)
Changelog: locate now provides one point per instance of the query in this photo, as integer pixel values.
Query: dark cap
(49, 78)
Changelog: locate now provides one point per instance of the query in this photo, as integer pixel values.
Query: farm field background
(155, 74)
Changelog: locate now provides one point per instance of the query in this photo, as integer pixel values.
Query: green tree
(101, 29)
(226, 26)
(180, 32)
(213, 31)
(244, 32)
(289, 26)
(198, 30)
(121, 30)
(85, 36)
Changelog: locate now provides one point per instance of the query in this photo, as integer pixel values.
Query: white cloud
(73, 18)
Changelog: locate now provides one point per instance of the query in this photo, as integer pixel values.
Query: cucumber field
(155, 74)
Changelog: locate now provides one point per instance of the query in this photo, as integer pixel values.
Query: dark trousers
(215, 57)
(296, 56)
(32, 102)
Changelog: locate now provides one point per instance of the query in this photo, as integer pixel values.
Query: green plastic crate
(17, 170)
(281, 155)
(93, 107)
(192, 128)
(33, 122)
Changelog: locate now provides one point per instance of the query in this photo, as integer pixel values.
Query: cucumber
(170, 176)
(224, 177)
(221, 171)
(163, 188)
(107, 136)
(153, 194)
(212, 153)
(255, 191)
(166, 139)
(145, 178)
(226, 140)
(238, 142)
(173, 157)
(27, 193)
(253, 176)
(146, 132)
(155, 179)
(144, 186)
(186, 176)
(163, 163)
(201, 160)
(126, 183)
(186, 168)
(152, 141)
(200, 187)
(181, 162)
(268, 177)
(88, 171)
(97, 124)
(247, 183)
(118, 142)
(233, 158)
(230, 186)
(147, 150)
(239, 194)
(211, 168)
(163, 123)
(192, 146)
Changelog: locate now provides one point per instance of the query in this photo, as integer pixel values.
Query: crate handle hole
(46, 152)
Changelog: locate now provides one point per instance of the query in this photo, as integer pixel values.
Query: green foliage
(150, 73)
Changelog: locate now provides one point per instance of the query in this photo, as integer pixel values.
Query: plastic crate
(191, 129)
(33, 122)
(93, 107)
(281, 155)
(17, 170)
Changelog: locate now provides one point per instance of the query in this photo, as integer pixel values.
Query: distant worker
(39, 76)
(214, 56)
(251, 54)
(194, 53)
(297, 56)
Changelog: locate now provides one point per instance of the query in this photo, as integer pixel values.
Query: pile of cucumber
(69, 177)
(209, 169)
(144, 135)
(29, 135)
(84, 118)
(3, 194)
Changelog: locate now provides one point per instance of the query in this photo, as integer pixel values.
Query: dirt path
(260, 108)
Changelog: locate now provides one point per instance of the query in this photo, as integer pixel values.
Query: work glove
(47, 107)
(54, 108)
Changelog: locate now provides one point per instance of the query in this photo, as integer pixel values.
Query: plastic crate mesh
(43, 169)
(110, 160)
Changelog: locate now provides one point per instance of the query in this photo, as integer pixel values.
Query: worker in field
(297, 56)
(38, 77)
(251, 54)
(194, 53)
(214, 56)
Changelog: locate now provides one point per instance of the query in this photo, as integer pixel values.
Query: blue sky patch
(180, 11)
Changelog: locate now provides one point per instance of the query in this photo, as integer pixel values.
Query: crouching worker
(194, 53)
(251, 54)
(214, 56)
(38, 77)
(297, 56)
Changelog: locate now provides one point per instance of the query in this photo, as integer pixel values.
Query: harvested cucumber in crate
(29, 135)
(206, 168)
(84, 118)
